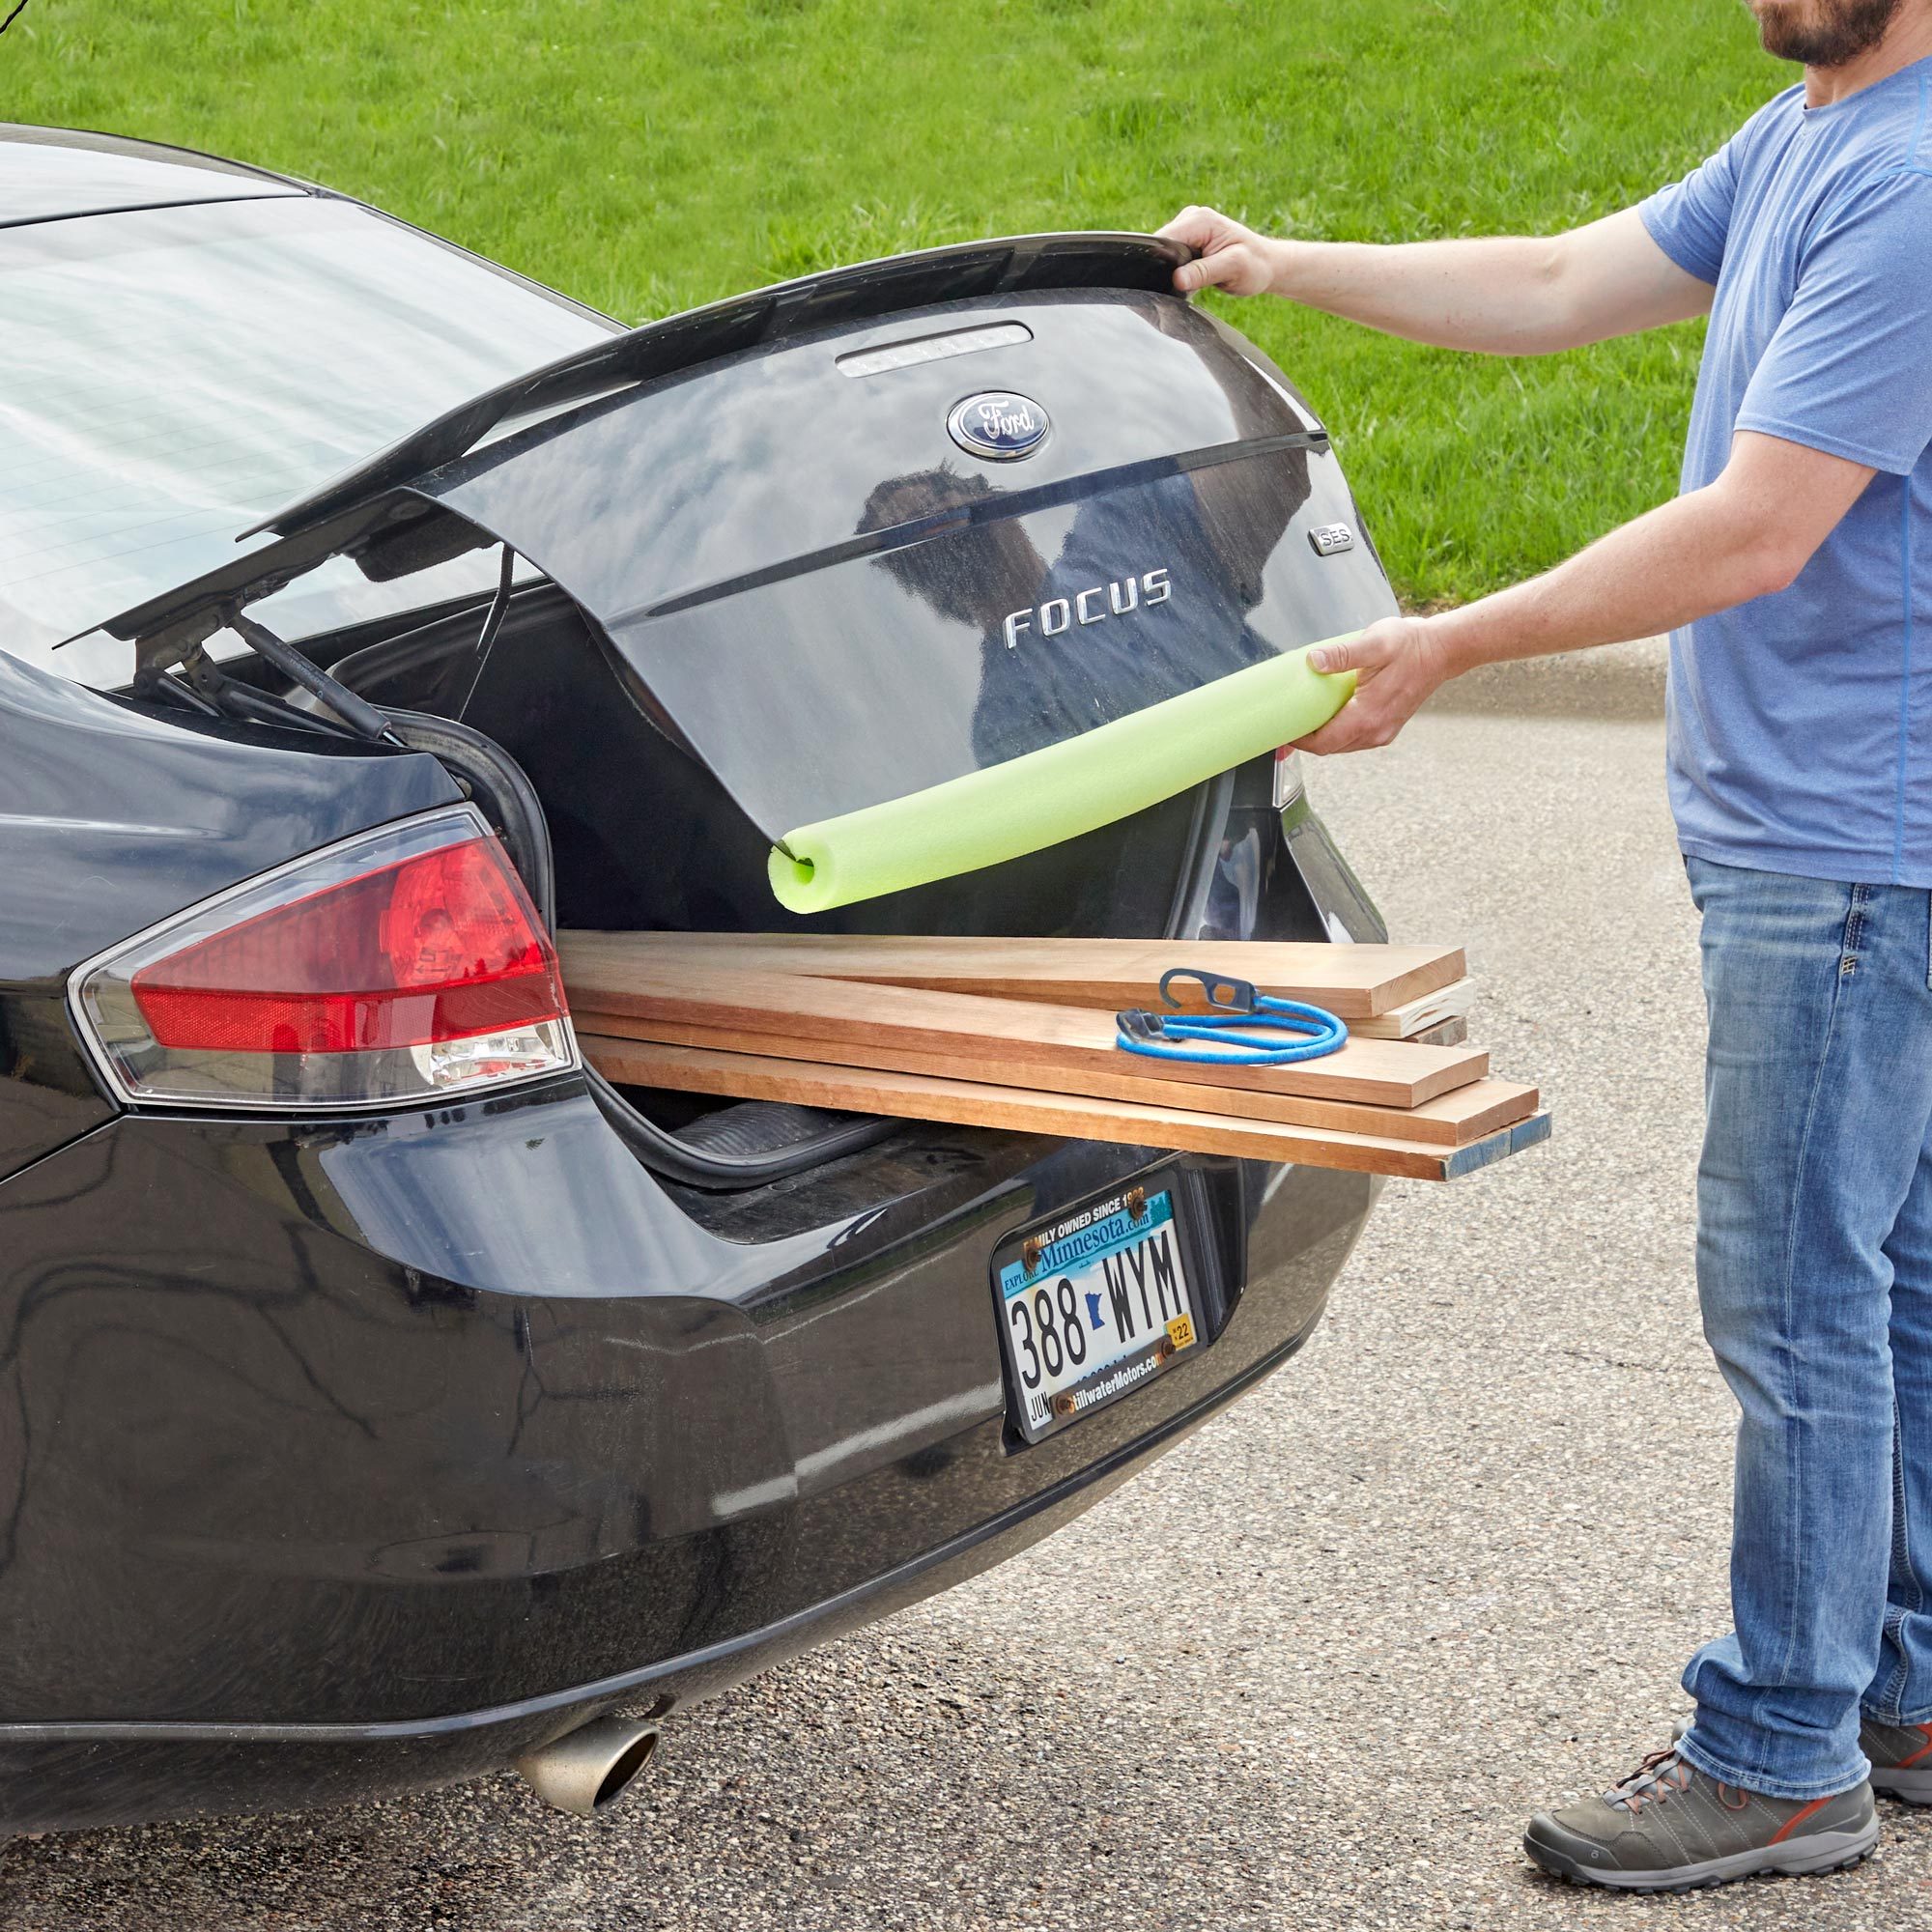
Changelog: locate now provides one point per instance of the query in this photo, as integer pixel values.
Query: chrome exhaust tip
(586, 1771)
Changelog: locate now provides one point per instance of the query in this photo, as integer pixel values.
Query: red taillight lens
(443, 946)
(408, 962)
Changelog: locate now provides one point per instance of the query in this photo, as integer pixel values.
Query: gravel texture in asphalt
(1314, 1671)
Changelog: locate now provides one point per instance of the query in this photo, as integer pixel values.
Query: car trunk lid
(780, 556)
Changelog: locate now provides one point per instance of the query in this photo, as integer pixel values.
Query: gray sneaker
(1669, 1827)
(1901, 1759)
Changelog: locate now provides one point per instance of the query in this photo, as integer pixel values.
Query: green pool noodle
(1058, 792)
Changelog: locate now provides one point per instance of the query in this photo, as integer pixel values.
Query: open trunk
(646, 836)
(795, 564)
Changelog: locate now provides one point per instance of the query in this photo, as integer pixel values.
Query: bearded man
(1794, 571)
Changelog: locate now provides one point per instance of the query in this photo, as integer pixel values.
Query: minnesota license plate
(1094, 1306)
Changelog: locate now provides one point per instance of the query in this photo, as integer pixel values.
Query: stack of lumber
(1019, 1033)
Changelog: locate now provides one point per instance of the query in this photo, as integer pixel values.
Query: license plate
(1092, 1307)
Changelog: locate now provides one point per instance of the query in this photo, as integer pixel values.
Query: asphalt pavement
(1314, 1669)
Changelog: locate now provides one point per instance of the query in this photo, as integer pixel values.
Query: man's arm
(1509, 295)
(1743, 536)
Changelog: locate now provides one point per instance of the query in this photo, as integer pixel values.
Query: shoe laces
(1660, 1777)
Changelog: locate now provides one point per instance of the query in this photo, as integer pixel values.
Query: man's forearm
(1746, 535)
(1704, 552)
(1671, 566)
(1508, 296)
(1500, 296)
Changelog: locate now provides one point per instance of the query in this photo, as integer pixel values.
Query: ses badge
(997, 425)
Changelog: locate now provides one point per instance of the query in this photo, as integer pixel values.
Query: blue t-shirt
(1800, 722)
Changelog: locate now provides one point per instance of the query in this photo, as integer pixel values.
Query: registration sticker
(1093, 1306)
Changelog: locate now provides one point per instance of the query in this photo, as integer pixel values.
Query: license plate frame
(1086, 1245)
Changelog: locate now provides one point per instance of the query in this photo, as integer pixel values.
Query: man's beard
(1838, 31)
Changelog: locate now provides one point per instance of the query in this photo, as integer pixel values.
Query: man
(1795, 572)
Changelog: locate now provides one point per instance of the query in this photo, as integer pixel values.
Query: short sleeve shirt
(1801, 722)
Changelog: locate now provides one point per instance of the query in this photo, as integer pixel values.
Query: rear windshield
(171, 376)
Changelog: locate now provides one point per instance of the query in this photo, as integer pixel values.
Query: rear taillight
(405, 964)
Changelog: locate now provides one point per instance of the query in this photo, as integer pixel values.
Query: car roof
(50, 174)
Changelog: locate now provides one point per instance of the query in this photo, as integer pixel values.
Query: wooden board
(973, 1103)
(1414, 1017)
(826, 1014)
(1463, 1116)
(1352, 982)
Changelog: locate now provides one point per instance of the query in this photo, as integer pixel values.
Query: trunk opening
(644, 837)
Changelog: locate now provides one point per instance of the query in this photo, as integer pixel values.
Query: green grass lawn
(646, 155)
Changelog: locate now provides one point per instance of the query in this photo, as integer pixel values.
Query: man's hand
(1231, 257)
(1397, 665)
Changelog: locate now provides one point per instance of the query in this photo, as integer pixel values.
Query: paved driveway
(1312, 1670)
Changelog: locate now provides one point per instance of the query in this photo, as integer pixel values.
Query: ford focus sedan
(385, 1396)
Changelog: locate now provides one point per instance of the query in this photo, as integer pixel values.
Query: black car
(385, 1396)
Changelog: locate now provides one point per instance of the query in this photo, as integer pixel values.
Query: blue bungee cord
(1226, 1034)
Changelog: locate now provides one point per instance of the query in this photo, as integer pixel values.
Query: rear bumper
(359, 1459)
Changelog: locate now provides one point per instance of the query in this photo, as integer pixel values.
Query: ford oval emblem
(999, 425)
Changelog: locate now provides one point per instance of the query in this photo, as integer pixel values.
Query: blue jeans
(1814, 1270)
